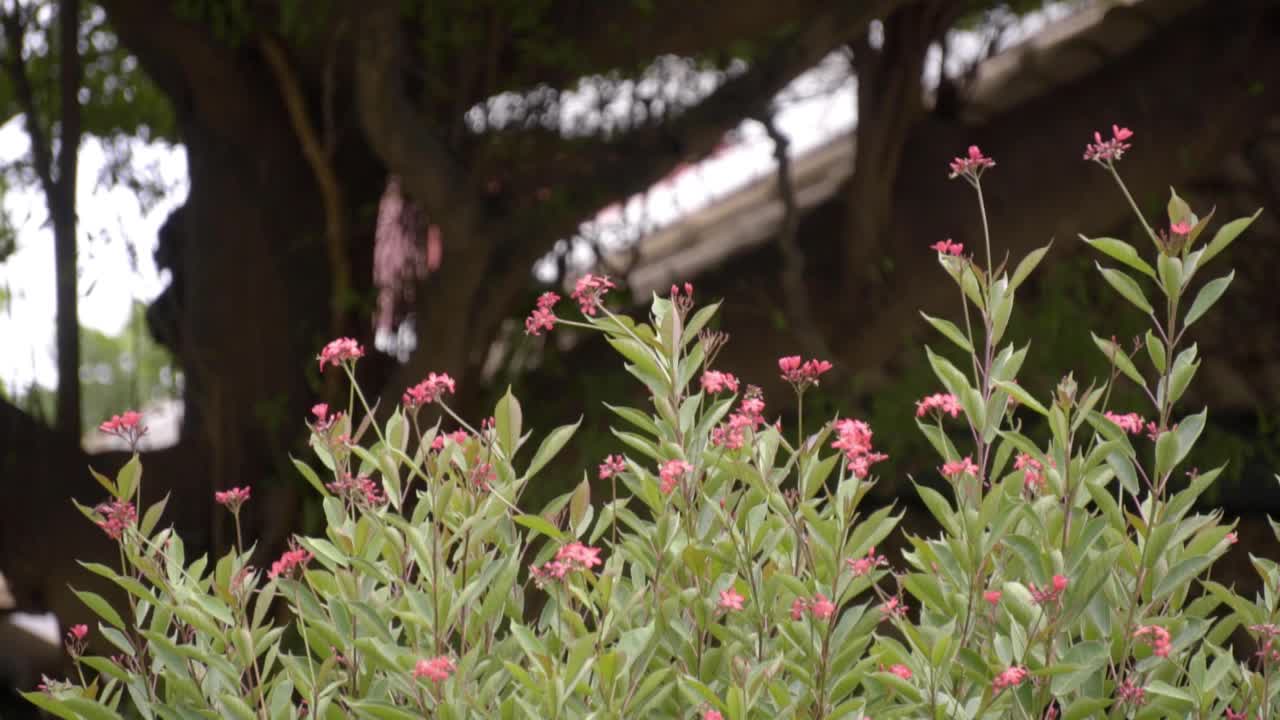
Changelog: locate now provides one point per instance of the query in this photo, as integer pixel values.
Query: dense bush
(720, 567)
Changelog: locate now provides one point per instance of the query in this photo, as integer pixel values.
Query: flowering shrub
(721, 567)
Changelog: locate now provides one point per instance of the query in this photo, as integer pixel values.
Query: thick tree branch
(62, 208)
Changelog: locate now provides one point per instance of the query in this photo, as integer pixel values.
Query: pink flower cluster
(900, 670)
(853, 438)
(1129, 693)
(75, 639)
(574, 556)
(359, 490)
(1157, 636)
(964, 466)
(732, 434)
(714, 381)
(802, 374)
(117, 516)
(1180, 228)
(730, 600)
(940, 403)
(324, 420)
(971, 165)
(590, 291)
(893, 608)
(864, 565)
(1131, 423)
(1032, 472)
(1049, 594)
(712, 715)
(1011, 677)
(456, 437)
(820, 607)
(946, 247)
(671, 472)
(437, 669)
(127, 426)
(612, 466)
(339, 351)
(232, 499)
(1105, 151)
(992, 597)
(288, 562)
(429, 390)
(542, 317)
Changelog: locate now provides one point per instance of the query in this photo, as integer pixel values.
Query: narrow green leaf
(101, 607)
(1122, 251)
(508, 419)
(1226, 235)
(1126, 286)
(1020, 394)
(1155, 348)
(1028, 265)
(1207, 296)
(951, 331)
(551, 445)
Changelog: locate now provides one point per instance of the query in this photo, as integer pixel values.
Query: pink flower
(712, 715)
(429, 390)
(360, 490)
(853, 437)
(1131, 423)
(554, 570)
(992, 596)
(864, 566)
(1233, 715)
(959, 467)
(1044, 595)
(324, 420)
(288, 562)
(437, 669)
(456, 437)
(671, 472)
(730, 600)
(232, 499)
(732, 434)
(1128, 693)
(802, 374)
(821, 607)
(1009, 678)
(1105, 151)
(78, 632)
(579, 556)
(1180, 228)
(590, 291)
(127, 426)
(339, 351)
(901, 671)
(613, 465)
(1232, 538)
(117, 516)
(1033, 472)
(542, 317)
(941, 403)
(946, 247)
(893, 608)
(1157, 636)
(714, 381)
(799, 607)
(972, 166)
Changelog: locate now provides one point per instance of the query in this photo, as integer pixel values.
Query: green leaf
(539, 524)
(508, 419)
(1207, 296)
(1179, 210)
(551, 445)
(1167, 453)
(1122, 251)
(101, 607)
(1226, 235)
(1028, 265)
(1117, 355)
(382, 711)
(951, 331)
(1020, 394)
(310, 475)
(1126, 286)
(1155, 348)
(128, 477)
(1170, 271)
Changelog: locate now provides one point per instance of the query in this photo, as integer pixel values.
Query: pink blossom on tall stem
(940, 403)
(75, 640)
(127, 426)
(579, 556)
(1131, 423)
(360, 490)
(589, 292)
(1105, 151)
(730, 600)
(992, 597)
(714, 381)
(821, 607)
(437, 669)
(543, 317)
(612, 466)
(1033, 472)
(946, 247)
(339, 351)
(671, 473)
(324, 420)
(553, 570)
(1011, 677)
(972, 165)
(232, 499)
(1157, 637)
(799, 607)
(900, 670)
(800, 374)
(1130, 693)
(429, 390)
(853, 438)
(893, 608)
(965, 466)
(1049, 594)
(457, 437)
(291, 560)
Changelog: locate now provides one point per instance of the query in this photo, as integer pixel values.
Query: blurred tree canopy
(504, 125)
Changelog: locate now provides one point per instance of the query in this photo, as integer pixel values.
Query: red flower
(714, 381)
(127, 426)
(971, 166)
(946, 247)
(1105, 151)
(429, 390)
(116, 517)
(1009, 678)
(864, 565)
(730, 600)
(854, 439)
(1044, 595)
(1180, 228)
(78, 631)
(590, 291)
(959, 467)
(1131, 423)
(340, 351)
(941, 403)
(288, 562)
(232, 499)
(992, 596)
(437, 669)
(671, 472)
(712, 715)
(893, 608)
(901, 671)
(1033, 472)
(1157, 636)
(577, 555)
(821, 607)
(542, 317)
(613, 465)
(802, 374)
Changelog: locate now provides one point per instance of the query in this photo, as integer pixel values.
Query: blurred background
(198, 194)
